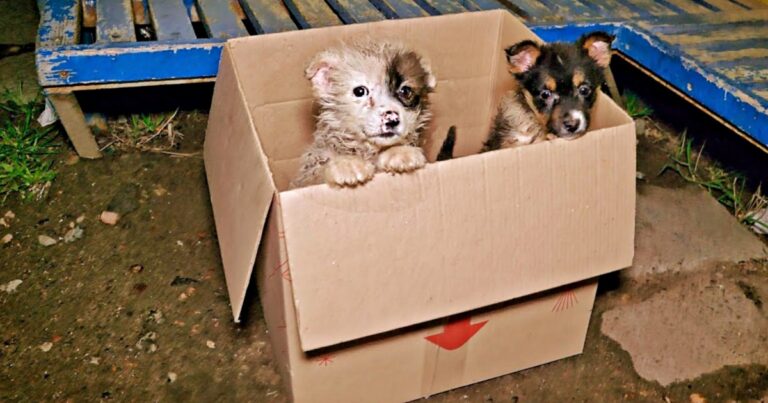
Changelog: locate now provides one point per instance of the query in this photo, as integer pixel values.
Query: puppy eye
(406, 92)
(360, 91)
(584, 91)
(545, 94)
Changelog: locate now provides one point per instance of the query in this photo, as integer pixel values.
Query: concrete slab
(683, 229)
(701, 323)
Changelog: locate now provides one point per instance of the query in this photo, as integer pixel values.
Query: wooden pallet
(90, 44)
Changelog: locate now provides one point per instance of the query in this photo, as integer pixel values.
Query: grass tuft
(728, 187)
(635, 107)
(26, 166)
(144, 132)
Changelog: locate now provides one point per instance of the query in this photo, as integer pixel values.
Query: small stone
(109, 217)
(71, 159)
(171, 377)
(190, 291)
(147, 342)
(211, 344)
(137, 268)
(10, 287)
(640, 126)
(156, 316)
(182, 281)
(3, 223)
(94, 360)
(179, 243)
(73, 235)
(45, 240)
(639, 175)
(9, 215)
(80, 219)
(697, 398)
(183, 297)
(759, 220)
(7, 238)
(46, 347)
(159, 191)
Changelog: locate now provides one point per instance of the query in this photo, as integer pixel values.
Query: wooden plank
(653, 7)
(109, 86)
(438, 7)
(570, 10)
(355, 11)
(268, 16)
(752, 4)
(312, 13)
(89, 13)
(140, 12)
(743, 69)
(728, 5)
(534, 8)
(615, 10)
(220, 19)
(690, 6)
(59, 23)
(704, 34)
(399, 8)
(128, 62)
(72, 118)
(115, 21)
(171, 20)
(707, 56)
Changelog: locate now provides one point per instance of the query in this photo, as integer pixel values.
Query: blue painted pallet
(711, 50)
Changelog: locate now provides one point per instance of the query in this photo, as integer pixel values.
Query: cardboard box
(414, 284)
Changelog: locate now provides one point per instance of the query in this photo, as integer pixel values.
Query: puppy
(373, 103)
(557, 85)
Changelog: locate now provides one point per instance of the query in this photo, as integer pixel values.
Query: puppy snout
(391, 119)
(573, 122)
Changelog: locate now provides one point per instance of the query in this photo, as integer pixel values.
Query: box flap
(459, 234)
(239, 181)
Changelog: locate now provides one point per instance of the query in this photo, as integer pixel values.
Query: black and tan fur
(557, 85)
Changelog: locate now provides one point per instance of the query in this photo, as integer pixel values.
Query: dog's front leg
(347, 170)
(400, 159)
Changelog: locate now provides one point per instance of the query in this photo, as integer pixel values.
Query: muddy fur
(557, 85)
(373, 100)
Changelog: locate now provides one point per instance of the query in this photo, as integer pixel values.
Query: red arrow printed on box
(456, 334)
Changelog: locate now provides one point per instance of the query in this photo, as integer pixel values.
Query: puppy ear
(522, 56)
(319, 71)
(430, 80)
(598, 46)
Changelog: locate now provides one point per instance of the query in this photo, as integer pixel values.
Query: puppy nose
(571, 123)
(391, 119)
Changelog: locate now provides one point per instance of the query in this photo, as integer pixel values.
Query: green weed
(26, 167)
(635, 107)
(729, 188)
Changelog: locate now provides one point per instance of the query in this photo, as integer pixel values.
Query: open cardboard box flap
(407, 249)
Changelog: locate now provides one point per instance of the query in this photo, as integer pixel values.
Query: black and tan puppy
(557, 87)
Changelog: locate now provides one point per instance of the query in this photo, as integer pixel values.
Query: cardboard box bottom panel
(422, 360)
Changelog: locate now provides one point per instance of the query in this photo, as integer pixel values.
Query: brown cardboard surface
(354, 282)
(405, 365)
(239, 182)
(459, 235)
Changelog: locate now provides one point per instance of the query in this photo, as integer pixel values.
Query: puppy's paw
(348, 171)
(401, 159)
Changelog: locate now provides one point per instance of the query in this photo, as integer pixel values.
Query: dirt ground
(139, 311)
